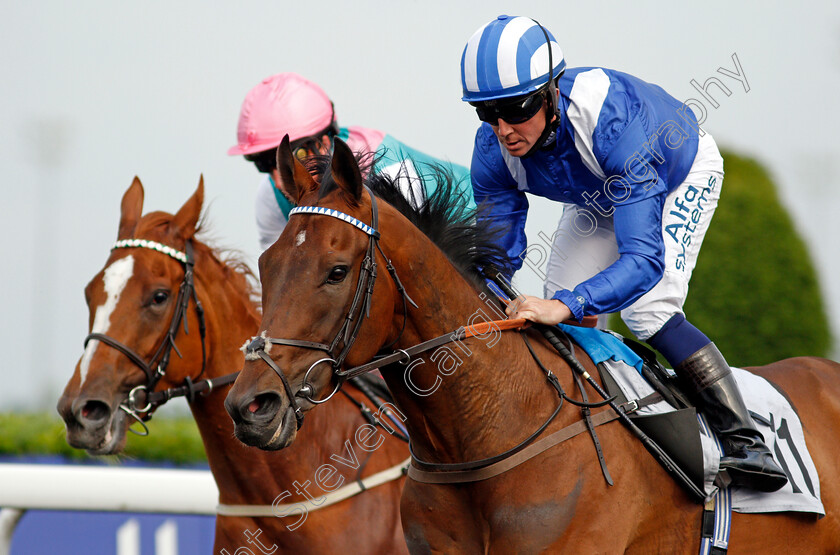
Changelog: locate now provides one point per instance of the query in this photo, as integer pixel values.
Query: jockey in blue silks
(638, 181)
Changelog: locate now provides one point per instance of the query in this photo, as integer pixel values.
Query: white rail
(101, 488)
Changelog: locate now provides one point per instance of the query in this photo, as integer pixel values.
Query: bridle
(155, 368)
(349, 331)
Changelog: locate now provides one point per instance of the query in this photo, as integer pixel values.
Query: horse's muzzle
(92, 424)
(260, 419)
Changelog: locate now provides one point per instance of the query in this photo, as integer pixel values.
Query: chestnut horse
(488, 397)
(133, 309)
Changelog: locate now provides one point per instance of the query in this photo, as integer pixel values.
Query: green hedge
(173, 440)
(754, 290)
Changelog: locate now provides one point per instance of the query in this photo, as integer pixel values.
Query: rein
(471, 467)
(155, 368)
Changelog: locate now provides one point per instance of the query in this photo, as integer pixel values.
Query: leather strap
(461, 476)
(190, 388)
(587, 418)
(128, 352)
(351, 489)
(298, 413)
(296, 343)
(549, 441)
(404, 355)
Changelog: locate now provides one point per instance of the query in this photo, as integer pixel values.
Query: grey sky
(96, 92)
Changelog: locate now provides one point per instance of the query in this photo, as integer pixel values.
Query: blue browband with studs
(335, 214)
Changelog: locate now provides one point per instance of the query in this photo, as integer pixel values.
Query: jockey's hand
(535, 309)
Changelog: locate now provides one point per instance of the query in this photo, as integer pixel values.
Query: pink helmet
(282, 104)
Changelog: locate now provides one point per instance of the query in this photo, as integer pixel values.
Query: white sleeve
(409, 182)
(270, 219)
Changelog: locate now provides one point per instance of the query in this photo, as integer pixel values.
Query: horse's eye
(337, 274)
(160, 297)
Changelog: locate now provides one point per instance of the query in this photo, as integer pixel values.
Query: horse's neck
(231, 318)
(246, 475)
(489, 388)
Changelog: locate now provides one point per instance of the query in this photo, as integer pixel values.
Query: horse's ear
(345, 170)
(131, 209)
(185, 221)
(296, 180)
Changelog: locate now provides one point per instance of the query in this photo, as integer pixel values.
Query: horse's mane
(232, 262)
(469, 241)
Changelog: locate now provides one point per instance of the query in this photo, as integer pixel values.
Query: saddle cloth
(777, 422)
(774, 416)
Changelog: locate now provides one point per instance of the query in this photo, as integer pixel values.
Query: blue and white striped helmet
(508, 57)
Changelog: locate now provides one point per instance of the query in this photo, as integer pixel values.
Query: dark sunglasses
(514, 111)
(266, 160)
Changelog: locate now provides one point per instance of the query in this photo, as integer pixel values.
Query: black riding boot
(746, 458)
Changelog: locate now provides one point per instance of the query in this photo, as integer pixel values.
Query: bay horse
(135, 317)
(486, 395)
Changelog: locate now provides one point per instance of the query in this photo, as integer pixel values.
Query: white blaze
(300, 238)
(115, 279)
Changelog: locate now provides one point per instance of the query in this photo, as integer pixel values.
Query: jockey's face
(518, 138)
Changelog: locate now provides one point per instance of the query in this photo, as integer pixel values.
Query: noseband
(155, 369)
(352, 322)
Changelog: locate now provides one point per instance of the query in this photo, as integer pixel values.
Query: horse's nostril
(263, 406)
(93, 412)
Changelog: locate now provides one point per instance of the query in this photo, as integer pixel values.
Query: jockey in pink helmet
(287, 103)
